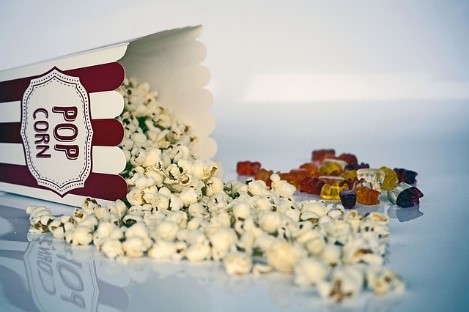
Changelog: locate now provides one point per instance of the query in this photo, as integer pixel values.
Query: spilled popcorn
(178, 208)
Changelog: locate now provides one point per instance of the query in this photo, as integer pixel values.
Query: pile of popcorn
(178, 208)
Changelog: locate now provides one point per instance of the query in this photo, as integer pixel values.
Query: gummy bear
(390, 178)
(264, 175)
(321, 154)
(247, 167)
(348, 198)
(294, 176)
(331, 192)
(330, 168)
(311, 185)
(407, 176)
(405, 195)
(312, 169)
(371, 178)
(367, 196)
(357, 166)
(349, 174)
(348, 158)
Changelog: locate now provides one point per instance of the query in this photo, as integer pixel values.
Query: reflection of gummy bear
(411, 213)
(331, 192)
(390, 178)
(348, 198)
(367, 196)
(247, 167)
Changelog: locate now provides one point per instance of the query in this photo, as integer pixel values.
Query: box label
(56, 131)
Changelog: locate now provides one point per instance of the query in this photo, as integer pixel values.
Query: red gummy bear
(294, 176)
(321, 154)
(351, 159)
(311, 185)
(264, 175)
(247, 167)
(312, 169)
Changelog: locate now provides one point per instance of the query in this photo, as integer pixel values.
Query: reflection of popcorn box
(58, 133)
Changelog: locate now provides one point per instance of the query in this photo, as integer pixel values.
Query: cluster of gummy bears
(343, 178)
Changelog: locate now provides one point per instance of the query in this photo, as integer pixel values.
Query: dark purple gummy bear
(409, 197)
(348, 198)
(416, 192)
(357, 166)
(407, 176)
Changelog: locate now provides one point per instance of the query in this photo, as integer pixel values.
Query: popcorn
(383, 281)
(241, 210)
(178, 208)
(134, 247)
(315, 246)
(346, 282)
(39, 218)
(270, 221)
(112, 248)
(282, 256)
(166, 230)
(106, 231)
(331, 254)
(162, 250)
(281, 187)
(79, 235)
(189, 196)
(222, 240)
(198, 252)
(309, 272)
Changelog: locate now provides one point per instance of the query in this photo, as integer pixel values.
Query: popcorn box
(59, 135)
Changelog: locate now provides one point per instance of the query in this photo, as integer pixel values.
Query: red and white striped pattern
(100, 82)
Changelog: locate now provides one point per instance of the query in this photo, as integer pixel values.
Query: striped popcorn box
(59, 135)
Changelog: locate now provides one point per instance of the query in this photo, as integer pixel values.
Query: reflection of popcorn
(162, 250)
(237, 263)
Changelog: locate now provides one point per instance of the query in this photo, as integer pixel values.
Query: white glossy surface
(393, 90)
